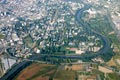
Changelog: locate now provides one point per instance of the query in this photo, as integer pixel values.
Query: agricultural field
(37, 71)
(64, 75)
(111, 63)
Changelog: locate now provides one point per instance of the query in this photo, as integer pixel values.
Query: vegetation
(64, 75)
(45, 72)
(113, 76)
(115, 41)
(28, 40)
(37, 71)
(101, 24)
(1, 36)
(96, 72)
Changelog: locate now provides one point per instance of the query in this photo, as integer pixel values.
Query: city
(75, 36)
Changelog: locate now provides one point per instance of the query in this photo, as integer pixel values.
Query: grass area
(96, 72)
(115, 41)
(101, 24)
(64, 75)
(113, 76)
(28, 41)
(37, 71)
(1, 36)
(45, 71)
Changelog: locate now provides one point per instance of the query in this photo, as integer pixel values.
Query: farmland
(64, 75)
(37, 72)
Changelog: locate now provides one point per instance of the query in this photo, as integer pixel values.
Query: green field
(101, 24)
(1, 36)
(28, 40)
(113, 76)
(64, 75)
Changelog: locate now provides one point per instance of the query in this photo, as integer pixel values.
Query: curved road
(16, 69)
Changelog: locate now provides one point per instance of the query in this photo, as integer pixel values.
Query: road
(16, 69)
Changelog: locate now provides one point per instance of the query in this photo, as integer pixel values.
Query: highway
(20, 66)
